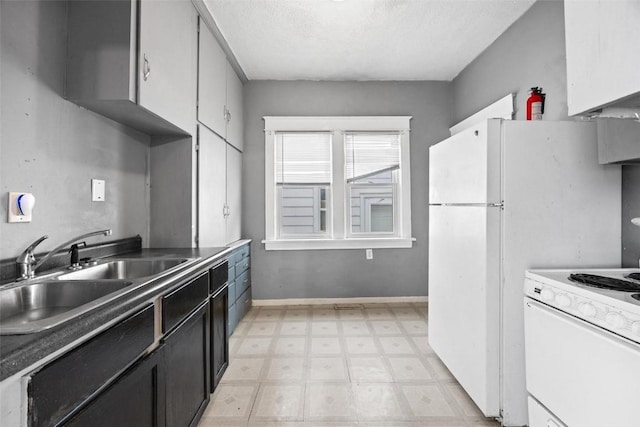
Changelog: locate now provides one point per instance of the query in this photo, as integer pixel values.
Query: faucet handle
(32, 246)
(27, 254)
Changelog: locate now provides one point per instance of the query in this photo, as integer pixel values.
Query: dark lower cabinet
(187, 369)
(63, 387)
(135, 399)
(109, 380)
(219, 337)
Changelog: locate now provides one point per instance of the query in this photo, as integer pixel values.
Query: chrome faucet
(26, 261)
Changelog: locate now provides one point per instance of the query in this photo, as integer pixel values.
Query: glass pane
(381, 218)
(368, 154)
(303, 158)
(372, 208)
(300, 210)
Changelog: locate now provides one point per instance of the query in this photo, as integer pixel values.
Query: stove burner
(636, 296)
(634, 276)
(605, 282)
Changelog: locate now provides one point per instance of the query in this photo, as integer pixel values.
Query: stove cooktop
(616, 287)
(605, 282)
(608, 298)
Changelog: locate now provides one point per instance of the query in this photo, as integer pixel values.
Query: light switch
(97, 190)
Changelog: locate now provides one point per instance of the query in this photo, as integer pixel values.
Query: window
(303, 180)
(337, 182)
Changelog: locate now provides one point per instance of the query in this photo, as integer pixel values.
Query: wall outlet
(97, 190)
(368, 253)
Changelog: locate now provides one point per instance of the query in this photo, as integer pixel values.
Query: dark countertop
(18, 352)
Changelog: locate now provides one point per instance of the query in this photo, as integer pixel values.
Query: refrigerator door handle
(480, 205)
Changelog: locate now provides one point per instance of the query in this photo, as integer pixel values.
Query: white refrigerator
(507, 196)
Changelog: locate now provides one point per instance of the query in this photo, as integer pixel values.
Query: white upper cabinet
(219, 90)
(219, 190)
(234, 109)
(603, 67)
(212, 86)
(212, 189)
(166, 62)
(134, 62)
(234, 194)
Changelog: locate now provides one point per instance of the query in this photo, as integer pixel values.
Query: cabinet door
(212, 89)
(601, 37)
(235, 132)
(212, 179)
(219, 337)
(135, 399)
(167, 60)
(234, 197)
(187, 365)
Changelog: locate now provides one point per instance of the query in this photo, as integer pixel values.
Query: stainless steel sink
(125, 269)
(34, 307)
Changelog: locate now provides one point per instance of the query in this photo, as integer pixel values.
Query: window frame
(338, 234)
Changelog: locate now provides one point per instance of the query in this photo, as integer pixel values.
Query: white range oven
(582, 347)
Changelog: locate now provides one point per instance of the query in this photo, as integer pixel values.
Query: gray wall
(53, 148)
(532, 53)
(630, 209)
(341, 273)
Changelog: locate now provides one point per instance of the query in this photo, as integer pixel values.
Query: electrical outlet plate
(13, 214)
(97, 190)
(368, 253)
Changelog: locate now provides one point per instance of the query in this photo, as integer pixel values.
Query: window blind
(369, 154)
(303, 158)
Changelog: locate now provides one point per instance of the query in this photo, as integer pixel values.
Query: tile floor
(368, 365)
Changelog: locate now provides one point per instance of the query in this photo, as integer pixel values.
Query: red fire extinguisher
(535, 104)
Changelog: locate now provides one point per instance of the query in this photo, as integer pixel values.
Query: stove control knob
(636, 328)
(563, 300)
(588, 309)
(547, 294)
(615, 319)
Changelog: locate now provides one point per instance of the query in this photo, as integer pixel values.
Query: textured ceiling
(361, 39)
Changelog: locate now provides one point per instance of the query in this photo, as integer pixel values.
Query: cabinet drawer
(242, 266)
(179, 303)
(218, 277)
(232, 269)
(243, 305)
(63, 384)
(243, 282)
(242, 252)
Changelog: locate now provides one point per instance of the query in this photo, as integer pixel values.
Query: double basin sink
(39, 304)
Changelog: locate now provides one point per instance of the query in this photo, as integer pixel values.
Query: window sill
(319, 244)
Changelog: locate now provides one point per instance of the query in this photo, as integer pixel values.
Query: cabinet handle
(146, 69)
(228, 116)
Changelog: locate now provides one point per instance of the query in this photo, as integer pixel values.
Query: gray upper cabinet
(234, 196)
(134, 62)
(602, 64)
(219, 90)
(234, 109)
(219, 186)
(212, 86)
(212, 188)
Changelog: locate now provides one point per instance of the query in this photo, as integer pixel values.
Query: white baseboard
(328, 301)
